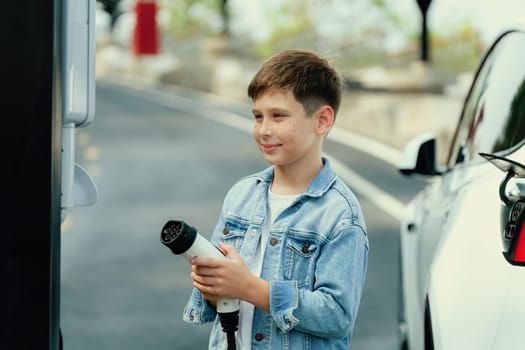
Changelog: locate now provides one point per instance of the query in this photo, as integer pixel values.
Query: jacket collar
(320, 184)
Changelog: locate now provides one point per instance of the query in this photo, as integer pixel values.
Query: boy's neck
(295, 178)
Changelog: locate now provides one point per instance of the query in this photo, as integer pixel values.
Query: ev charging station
(78, 102)
(48, 90)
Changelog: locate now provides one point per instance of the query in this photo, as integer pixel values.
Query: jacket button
(305, 247)
(259, 337)
(226, 230)
(273, 241)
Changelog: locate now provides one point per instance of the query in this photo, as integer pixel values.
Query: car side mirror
(420, 156)
(512, 213)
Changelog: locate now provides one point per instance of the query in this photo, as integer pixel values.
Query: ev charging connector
(183, 239)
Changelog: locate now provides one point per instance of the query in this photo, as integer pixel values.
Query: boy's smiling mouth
(269, 148)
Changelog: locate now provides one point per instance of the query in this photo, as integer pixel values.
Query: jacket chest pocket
(233, 233)
(299, 259)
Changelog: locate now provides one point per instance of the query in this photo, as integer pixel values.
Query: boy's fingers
(196, 277)
(209, 262)
(203, 270)
(229, 250)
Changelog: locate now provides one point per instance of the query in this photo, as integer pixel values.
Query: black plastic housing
(178, 236)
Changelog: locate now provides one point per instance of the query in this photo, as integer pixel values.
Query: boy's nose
(266, 128)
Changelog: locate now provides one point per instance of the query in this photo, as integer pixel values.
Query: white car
(462, 249)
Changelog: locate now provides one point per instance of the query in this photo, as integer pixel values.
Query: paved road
(121, 289)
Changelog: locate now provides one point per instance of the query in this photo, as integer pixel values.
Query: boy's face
(283, 132)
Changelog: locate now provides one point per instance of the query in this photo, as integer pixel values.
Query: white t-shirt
(276, 204)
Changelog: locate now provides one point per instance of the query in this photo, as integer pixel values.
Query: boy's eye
(279, 115)
(257, 116)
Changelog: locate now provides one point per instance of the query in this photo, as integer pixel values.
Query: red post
(145, 33)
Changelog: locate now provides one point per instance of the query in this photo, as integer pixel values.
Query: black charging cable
(229, 323)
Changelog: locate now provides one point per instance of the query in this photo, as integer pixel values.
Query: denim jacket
(315, 261)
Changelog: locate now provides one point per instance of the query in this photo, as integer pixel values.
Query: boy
(294, 233)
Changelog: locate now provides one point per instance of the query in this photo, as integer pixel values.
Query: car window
(493, 118)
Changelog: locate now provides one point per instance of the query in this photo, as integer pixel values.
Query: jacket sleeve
(198, 310)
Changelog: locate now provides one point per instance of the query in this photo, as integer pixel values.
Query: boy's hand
(229, 278)
(221, 278)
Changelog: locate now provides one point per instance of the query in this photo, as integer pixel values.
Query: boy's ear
(325, 119)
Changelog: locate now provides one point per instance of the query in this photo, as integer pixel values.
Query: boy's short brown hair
(312, 79)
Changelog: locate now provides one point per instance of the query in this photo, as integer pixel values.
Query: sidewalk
(387, 105)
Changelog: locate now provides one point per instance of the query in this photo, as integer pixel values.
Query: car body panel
(465, 291)
(451, 258)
